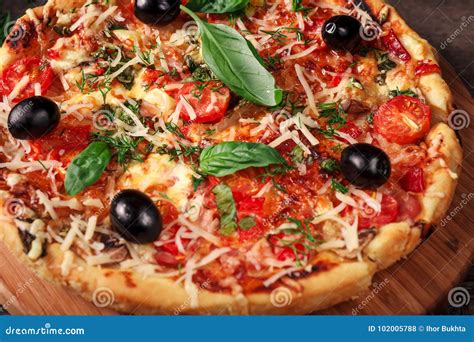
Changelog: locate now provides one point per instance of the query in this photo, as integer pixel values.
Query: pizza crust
(134, 293)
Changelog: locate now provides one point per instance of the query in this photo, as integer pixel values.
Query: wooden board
(412, 286)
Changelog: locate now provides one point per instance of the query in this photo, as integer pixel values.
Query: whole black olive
(342, 32)
(135, 217)
(157, 12)
(33, 117)
(365, 166)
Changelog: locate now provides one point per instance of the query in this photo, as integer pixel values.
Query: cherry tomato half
(33, 67)
(403, 120)
(209, 100)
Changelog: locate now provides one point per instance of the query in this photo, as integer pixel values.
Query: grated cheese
(19, 87)
(44, 200)
(307, 89)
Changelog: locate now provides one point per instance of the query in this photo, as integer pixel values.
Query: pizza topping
(204, 102)
(229, 157)
(403, 120)
(256, 84)
(388, 214)
(18, 80)
(135, 216)
(33, 118)
(342, 32)
(227, 210)
(413, 180)
(365, 165)
(157, 12)
(391, 42)
(426, 67)
(87, 167)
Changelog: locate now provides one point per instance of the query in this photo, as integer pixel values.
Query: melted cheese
(160, 174)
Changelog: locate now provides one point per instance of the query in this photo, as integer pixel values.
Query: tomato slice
(426, 67)
(33, 67)
(209, 100)
(403, 120)
(413, 180)
(388, 214)
(60, 142)
(395, 47)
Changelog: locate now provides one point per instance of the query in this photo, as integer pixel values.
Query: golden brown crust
(137, 294)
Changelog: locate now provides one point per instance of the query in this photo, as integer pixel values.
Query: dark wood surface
(449, 26)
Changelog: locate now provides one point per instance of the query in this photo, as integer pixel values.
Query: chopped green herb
(336, 186)
(297, 155)
(330, 165)
(398, 92)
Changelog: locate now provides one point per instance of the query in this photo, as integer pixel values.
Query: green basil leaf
(226, 208)
(216, 6)
(229, 157)
(247, 222)
(234, 62)
(87, 167)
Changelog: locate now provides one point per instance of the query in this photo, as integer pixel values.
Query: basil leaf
(87, 167)
(229, 157)
(216, 6)
(231, 59)
(226, 207)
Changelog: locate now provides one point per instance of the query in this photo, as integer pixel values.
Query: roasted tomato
(35, 69)
(209, 100)
(388, 214)
(413, 180)
(391, 43)
(62, 143)
(403, 120)
(426, 67)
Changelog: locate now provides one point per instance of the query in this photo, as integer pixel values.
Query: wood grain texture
(415, 285)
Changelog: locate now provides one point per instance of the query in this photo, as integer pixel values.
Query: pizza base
(133, 293)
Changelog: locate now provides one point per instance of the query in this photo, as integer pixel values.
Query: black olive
(342, 32)
(365, 166)
(157, 12)
(33, 117)
(135, 217)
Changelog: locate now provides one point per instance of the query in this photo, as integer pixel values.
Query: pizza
(206, 157)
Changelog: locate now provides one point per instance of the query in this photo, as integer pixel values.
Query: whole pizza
(203, 157)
